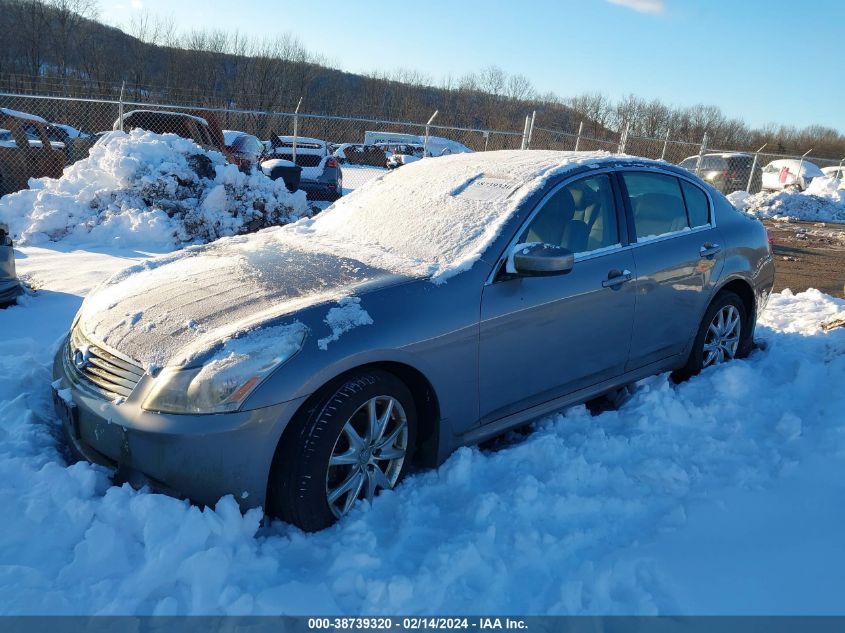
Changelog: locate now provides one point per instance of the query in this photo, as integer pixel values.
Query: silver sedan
(306, 367)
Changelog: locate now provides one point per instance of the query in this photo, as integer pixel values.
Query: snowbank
(822, 201)
(549, 522)
(151, 191)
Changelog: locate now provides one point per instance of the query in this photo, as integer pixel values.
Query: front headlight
(224, 381)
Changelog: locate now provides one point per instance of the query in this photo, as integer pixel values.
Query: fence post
(578, 138)
(665, 144)
(701, 154)
(295, 129)
(754, 166)
(525, 131)
(623, 140)
(427, 126)
(486, 135)
(531, 130)
(120, 106)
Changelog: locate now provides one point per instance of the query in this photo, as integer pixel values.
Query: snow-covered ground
(823, 201)
(721, 495)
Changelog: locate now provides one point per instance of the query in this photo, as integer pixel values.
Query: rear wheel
(356, 440)
(724, 334)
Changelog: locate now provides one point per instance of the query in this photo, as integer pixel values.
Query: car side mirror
(542, 259)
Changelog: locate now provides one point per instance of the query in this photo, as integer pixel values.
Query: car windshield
(433, 217)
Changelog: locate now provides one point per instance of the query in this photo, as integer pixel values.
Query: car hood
(167, 310)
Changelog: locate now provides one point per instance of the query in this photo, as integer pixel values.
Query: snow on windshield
(434, 217)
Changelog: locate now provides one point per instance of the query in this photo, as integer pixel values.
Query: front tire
(724, 334)
(355, 440)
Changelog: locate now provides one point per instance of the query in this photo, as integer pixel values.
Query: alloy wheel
(368, 455)
(723, 336)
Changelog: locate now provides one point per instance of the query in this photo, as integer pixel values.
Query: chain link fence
(40, 135)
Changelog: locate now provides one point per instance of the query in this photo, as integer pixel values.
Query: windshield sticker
(486, 189)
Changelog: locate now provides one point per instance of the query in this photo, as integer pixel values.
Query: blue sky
(762, 60)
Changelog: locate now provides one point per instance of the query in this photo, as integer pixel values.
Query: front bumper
(198, 457)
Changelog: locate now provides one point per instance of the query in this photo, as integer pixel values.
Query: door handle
(616, 278)
(709, 249)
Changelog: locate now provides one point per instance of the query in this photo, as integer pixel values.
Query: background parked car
(728, 172)
(245, 150)
(27, 151)
(203, 130)
(9, 286)
(834, 172)
(360, 154)
(321, 178)
(789, 173)
(77, 143)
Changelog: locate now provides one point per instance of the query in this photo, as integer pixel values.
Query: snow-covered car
(837, 171)
(305, 367)
(40, 156)
(9, 286)
(202, 130)
(789, 173)
(434, 145)
(321, 177)
(397, 160)
(245, 150)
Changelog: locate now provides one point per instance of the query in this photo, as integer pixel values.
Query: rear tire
(717, 340)
(343, 447)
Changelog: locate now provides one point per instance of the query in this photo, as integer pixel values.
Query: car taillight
(770, 239)
(331, 163)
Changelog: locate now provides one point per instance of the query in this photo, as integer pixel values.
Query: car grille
(107, 374)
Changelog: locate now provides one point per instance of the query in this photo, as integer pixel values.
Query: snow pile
(151, 191)
(347, 315)
(551, 522)
(822, 201)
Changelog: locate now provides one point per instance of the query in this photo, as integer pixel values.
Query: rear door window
(698, 207)
(657, 204)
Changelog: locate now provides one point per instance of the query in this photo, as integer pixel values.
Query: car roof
(719, 155)
(300, 139)
(22, 115)
(521, 168)
(167, 113)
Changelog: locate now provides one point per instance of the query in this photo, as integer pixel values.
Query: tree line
(59, 47)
